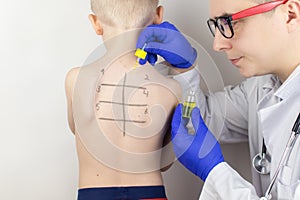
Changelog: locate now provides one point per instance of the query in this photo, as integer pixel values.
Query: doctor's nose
(221, 43)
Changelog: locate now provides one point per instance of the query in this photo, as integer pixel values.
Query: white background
(39, 42)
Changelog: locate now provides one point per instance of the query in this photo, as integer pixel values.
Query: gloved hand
(165, 40)
(200, 152)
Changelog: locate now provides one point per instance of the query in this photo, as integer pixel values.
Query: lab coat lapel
(266, 107)
(269, 118)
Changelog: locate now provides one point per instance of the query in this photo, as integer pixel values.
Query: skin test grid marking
(124, 105)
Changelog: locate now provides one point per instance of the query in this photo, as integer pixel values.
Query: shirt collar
(271, 83)
(290, 86)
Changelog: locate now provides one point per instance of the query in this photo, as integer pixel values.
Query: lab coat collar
(290, 86)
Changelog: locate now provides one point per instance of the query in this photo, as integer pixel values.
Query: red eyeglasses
(224, 23)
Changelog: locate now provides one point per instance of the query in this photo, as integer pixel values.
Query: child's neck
(122, 47)
(116, 38)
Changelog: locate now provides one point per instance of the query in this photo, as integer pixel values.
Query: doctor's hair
(262, 1)
(125, 14)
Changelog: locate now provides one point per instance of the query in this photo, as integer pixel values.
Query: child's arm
(69, 88)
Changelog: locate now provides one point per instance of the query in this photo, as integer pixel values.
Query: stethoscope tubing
(293, 137)
(283, 159)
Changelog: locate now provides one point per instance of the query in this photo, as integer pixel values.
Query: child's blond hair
(125, 14)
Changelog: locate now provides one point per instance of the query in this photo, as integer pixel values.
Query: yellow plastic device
(140, 54)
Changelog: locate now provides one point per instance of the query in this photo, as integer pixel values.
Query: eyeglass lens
(222, 24)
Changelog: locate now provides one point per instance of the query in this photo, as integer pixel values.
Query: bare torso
(132, 110)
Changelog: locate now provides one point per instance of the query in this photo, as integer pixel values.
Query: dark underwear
(123, 193)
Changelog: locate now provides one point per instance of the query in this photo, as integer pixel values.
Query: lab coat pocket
(287, 183)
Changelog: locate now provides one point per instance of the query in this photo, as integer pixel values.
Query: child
(120, 112)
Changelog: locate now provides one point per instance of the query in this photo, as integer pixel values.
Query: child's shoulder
(71, 76)
(162, 71)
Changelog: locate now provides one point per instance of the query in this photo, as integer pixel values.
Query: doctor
(262, 39)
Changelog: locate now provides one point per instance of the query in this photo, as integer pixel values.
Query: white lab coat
(260, 107)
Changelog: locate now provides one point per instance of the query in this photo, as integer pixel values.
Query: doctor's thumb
(197, 121)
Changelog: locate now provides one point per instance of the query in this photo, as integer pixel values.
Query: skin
(263, 43)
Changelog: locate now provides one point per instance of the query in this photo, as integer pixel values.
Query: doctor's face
(255, 46)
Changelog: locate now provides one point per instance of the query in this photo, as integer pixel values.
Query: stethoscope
(262, 161)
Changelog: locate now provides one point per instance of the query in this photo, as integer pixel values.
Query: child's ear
(159, 15)
(293, 15)
(96, 24)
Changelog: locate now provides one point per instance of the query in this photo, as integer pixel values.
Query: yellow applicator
(140, 54)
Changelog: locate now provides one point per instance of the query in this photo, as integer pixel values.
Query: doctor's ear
(96, 24)
(293, 8)
(159, 15)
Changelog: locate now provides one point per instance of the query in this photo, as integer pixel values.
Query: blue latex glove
(200, 152)
(166, 41)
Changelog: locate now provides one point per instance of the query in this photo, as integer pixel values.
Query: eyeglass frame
(258, 9)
